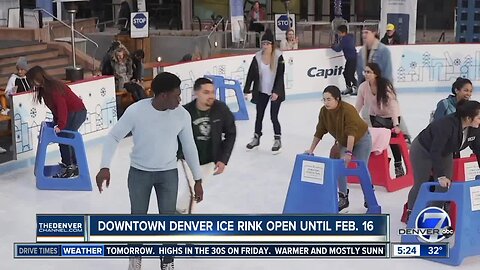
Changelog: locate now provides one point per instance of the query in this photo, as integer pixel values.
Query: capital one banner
(401, 13)
(236, 17)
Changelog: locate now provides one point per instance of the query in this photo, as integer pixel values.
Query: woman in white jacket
(18, 82)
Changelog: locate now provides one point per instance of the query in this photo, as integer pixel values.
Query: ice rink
(254, 182)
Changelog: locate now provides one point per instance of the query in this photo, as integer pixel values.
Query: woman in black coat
(432, 150)
(266, 72)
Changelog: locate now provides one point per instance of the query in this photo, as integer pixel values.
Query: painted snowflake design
(413, 64)
(290, 60)
(103, 91)
(33, 113)
(221, 69)
(457, 62)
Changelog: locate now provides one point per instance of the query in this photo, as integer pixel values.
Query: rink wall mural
(98, 95)
(415, 67)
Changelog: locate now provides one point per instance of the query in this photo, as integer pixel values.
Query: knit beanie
(22, 63)
(268, 35)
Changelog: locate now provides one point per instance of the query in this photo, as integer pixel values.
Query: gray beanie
(22, 63)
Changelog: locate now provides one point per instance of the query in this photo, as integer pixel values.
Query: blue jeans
(74, 122)
(361, 151)
(140, 184)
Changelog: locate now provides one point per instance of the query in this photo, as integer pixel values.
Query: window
(465, 3)
(463, 28)
(476, 29)
(464, 16)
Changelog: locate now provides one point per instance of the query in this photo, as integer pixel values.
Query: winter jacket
(379, 54)
(395, 39)
(223, 131)
(253, 76)
(121, 76)
(21, 83)
(443, 137)
(445, 107)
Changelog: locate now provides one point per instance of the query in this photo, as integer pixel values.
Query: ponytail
(459, 84)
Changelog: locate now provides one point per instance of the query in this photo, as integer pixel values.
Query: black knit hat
(268, 36)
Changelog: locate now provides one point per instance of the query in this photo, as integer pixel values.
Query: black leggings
(262, 103)
(397, 154)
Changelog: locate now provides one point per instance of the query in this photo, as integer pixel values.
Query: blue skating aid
(221, 85)
(313, 186)
(44, 174)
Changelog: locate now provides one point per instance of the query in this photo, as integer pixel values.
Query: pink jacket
(380, 139)
(366, 98)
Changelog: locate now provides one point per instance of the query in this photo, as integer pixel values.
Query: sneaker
(354, 90)
(343, 201)
(3, 150)
(277, 145)
(399, 172)
(254, 143)
(167, 263)
(406, 214)
(135, 263)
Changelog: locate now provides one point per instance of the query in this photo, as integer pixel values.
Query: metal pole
(72, 19)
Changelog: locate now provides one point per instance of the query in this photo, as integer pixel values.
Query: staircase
(54, 61)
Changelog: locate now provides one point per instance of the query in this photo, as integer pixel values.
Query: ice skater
(432, 150)
(68, 111)
(214, 132)
(462, 89)
(342, 121)
(155, 123)
(378, 94)
(347, 45)
(266, 72)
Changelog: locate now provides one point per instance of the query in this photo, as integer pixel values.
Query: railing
(79, 33)
(199, 23)
(214, 29)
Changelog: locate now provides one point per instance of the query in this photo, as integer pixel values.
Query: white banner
(238, 24)
(310, 71)
(98, 95)
(401, 13)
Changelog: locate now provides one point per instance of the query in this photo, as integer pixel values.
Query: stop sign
(284, 23)
(139, 20)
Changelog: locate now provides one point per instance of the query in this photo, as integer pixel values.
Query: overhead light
(159, 59)
(215, 44)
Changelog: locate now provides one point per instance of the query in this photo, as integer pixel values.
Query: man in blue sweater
(347, 45)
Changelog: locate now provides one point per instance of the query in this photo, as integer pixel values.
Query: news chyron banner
(192, 236)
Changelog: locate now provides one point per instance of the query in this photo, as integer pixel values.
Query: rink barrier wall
(434, 67)
(307, 73)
